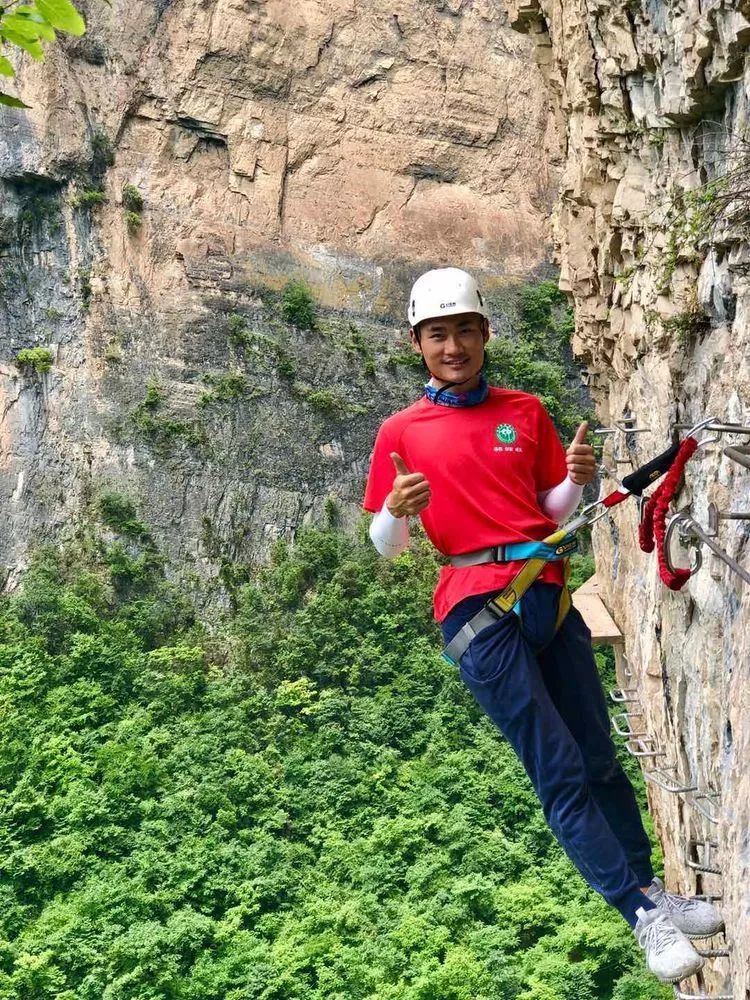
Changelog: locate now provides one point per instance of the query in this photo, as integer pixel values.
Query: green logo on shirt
(505, 433)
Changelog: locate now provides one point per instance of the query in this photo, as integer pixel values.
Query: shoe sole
(685, 975)
(703, 937)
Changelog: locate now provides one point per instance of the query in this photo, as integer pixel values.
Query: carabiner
(712, 439)
(681, 522)
(591, 517)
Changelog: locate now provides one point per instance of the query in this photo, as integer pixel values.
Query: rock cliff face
(652, 230)
(181, 163)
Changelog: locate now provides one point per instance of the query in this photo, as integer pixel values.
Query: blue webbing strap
(490, 613)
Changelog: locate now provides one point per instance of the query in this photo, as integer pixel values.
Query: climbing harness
(512, 552)
(559, 545)
(654, 530)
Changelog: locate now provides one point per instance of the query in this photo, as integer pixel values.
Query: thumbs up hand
(410, 493)
(580, 458)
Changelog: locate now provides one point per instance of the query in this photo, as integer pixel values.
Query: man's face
(453, 346)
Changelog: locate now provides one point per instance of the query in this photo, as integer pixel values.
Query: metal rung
(619, 695)
(701, 996)
(626, 666)
(709, 897)
(626, 729)
(740, 455)
(661, 777)
(689, 528)
(624, 425)
(706, 803)
(714, 952)
(716, 516)
(640, 747)
(707, 866)
(717, 428)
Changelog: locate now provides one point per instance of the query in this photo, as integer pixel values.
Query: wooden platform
(603, 627)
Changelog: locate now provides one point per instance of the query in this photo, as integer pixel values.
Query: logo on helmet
(447, 305)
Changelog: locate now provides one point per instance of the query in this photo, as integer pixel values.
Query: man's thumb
(581, 433)
(399, 463)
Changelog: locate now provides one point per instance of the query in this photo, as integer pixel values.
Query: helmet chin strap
(453, 385)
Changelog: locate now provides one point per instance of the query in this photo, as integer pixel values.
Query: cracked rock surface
(178, 165)
(652, 232)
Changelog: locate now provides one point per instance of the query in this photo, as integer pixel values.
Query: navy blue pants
(543, 692)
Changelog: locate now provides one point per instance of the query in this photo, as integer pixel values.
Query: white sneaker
(694, 917)
(669, 954)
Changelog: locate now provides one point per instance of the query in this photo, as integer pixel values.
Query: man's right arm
(410, 494)
(389, 534)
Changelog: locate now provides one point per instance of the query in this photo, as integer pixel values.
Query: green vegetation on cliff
(39, 359)
(300, 802)
(537, 358)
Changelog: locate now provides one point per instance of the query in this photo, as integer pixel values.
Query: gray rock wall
(352, 145)
(652, 232)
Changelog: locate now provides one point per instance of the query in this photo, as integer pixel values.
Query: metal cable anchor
(741, 455)
(689, 527)
(625, 425)
(626, 667)
(713, 952)
(715, 427)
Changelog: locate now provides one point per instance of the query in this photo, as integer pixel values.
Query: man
(483, 467)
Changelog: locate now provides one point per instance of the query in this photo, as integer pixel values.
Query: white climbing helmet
(444, 291)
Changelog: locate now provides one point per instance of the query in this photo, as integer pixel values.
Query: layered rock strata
(652, 230)
(178, 165)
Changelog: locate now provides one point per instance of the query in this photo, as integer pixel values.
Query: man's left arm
(559, 502)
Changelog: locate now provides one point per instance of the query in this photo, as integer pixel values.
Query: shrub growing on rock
(298, 305)
(37, 358)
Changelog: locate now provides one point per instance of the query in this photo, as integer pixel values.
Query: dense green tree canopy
(298, 803)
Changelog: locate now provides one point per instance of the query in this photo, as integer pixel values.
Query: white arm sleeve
(560, 502)
(389, 534)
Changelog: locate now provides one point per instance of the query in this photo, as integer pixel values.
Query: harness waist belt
(516, 551)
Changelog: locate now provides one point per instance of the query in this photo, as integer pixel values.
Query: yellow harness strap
(507, 599)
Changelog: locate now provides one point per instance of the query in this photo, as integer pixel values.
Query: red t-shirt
(485, 465)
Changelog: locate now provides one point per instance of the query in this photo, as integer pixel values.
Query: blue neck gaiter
(448, 398)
